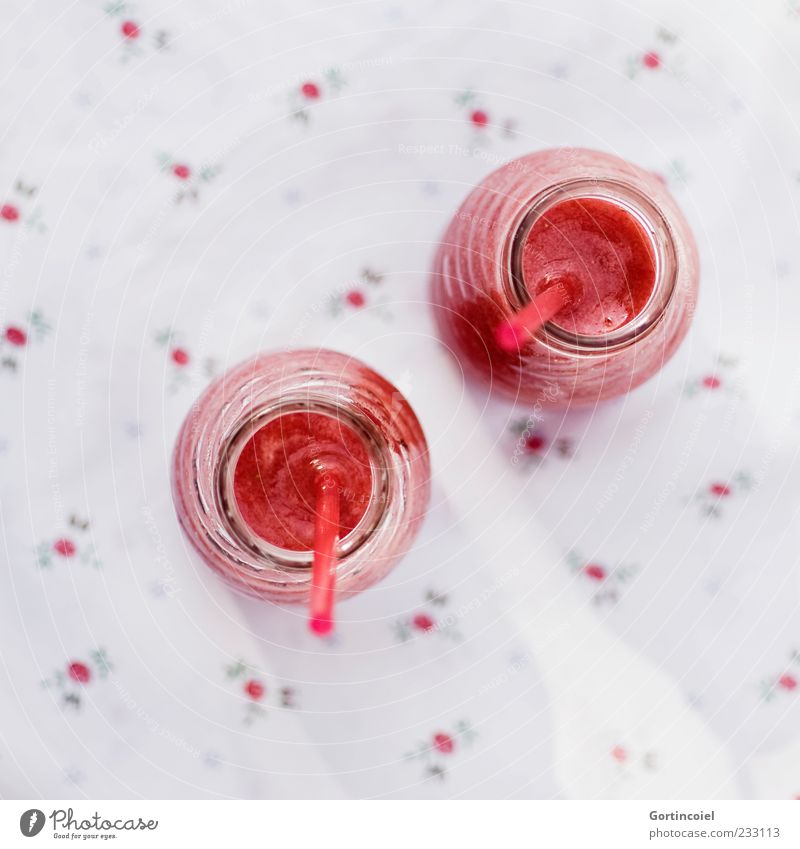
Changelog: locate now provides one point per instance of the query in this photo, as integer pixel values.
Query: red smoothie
(277, 474)
(602, 252)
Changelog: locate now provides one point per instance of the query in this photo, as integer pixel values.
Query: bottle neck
(233, 445)
(653, 224)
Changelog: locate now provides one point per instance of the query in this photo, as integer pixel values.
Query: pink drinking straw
(512, 334)
(323, 571)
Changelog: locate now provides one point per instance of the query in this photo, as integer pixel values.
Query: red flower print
(712, 496)
(535, 446)
(79, 672)
(718, 378)
(9, 212)
(16, 336)
(438, 752)
(68, 681)
(651, 60)
(180, 361)
(190, 181)
(788, 682)
(443, 743)
(254, 689)
(355, 298)
(534, 443)
(605, 583)
(479, 118)
(73, 548)
(179, 356)
(423, 622)
(65, 547)
(130, 29)
(310, 90)
(619, 754)
(251, 682)
(596, 572)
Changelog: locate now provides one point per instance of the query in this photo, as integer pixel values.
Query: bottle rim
(234, 442)
(655, 226)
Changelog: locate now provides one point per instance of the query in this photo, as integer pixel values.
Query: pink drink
(276, 476)
(588, 220)
(250, 453)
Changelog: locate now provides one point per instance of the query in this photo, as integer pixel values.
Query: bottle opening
(612, 250)
(270, 470)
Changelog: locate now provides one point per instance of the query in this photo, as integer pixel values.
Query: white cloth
(667, 668)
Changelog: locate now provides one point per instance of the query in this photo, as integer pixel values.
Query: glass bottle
(478, 280)
(249, 397)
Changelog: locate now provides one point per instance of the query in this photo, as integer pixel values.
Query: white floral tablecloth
(185, 183)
